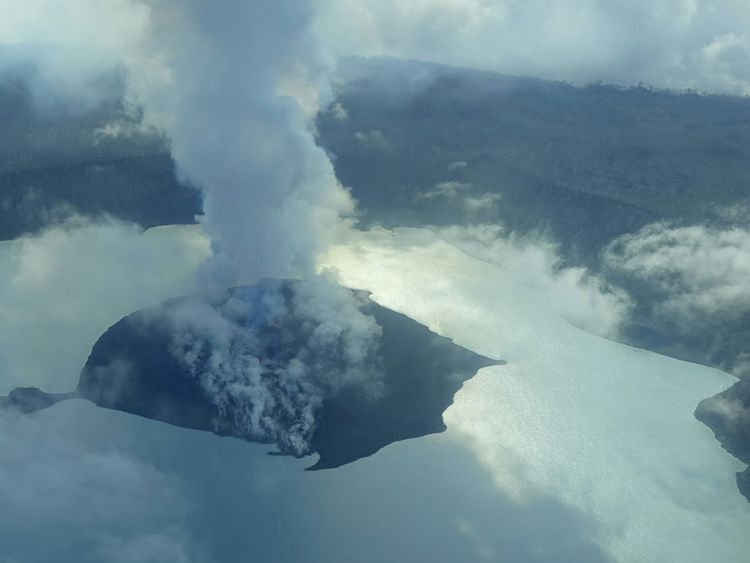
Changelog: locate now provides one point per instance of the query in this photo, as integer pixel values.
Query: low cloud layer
(581, 298)
(696, 272)
(67, 52)
(59, 291)
(63, 288)
(666, 43)
(124, 509)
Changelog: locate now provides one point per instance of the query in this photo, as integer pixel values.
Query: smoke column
(224, 82)
(227, 83)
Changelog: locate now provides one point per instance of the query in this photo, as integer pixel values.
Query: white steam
(228, 86)
(66, 285)
(268, 357)
(697, 271)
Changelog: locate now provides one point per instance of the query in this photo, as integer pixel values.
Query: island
(397, 389)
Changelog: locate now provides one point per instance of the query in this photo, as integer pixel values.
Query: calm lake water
(580, 449)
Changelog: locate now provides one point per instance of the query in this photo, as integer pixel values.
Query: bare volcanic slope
(267, 364)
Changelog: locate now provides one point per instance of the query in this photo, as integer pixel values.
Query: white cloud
(339, 112)
(63, 48)
(457, 165)
(573, 293)
(67, 498)
(448, 189)
(476, 205)
(69, 493)
(371, 139)
(463, 194)
(667, 43)
(63, 288)
(109, 25)
(697, 272)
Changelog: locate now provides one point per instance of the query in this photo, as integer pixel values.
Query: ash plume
(230, 86)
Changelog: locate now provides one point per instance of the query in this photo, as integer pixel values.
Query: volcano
(412, 375)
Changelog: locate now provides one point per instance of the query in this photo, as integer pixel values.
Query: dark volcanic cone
(133, 368)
